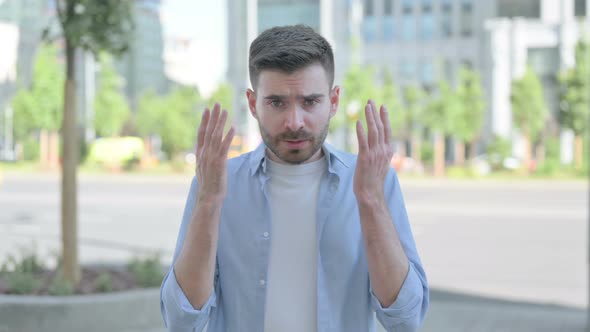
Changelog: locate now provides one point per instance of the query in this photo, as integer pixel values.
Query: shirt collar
(258, 158)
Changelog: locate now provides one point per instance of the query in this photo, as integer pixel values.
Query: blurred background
(489, 104)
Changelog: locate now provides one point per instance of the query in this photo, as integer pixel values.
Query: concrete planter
(129, 311)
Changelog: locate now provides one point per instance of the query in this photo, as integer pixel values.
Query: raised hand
(211, 153)
(375, 153)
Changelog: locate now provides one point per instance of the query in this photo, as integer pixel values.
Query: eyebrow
(281, 97)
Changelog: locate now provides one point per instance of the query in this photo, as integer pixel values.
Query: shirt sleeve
(409, 309)
(178, 313)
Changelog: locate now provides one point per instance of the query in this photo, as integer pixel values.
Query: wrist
(370, 199)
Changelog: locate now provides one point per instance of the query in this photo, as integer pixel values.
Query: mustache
(295, 135)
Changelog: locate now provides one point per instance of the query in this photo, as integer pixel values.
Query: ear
(334, 99)
(251, 95)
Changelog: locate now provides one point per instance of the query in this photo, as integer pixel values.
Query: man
(295, 235)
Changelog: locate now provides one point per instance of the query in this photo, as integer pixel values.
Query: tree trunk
(578, 152)
(416, 149)
(471, 154)
(527, 153)
(71, 269)
(43, 149)
(53, 155)
(540, 153)
(439, 155)
(459, 153)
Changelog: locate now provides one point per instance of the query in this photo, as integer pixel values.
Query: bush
(427, 154)
(104, 283)
(22, 283)
(498, 150)
(28, 262)
(147, 272)
(60, 286)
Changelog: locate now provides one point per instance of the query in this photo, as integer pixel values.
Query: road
(519, 240)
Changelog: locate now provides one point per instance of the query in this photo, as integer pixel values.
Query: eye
(310, 102)
(277, 103)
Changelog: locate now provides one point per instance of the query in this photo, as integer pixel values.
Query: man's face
(293, 112)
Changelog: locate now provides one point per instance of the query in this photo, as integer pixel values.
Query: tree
(93, 26)
(466, 126)
(357, 88)
(575, 98)
(390, 99)
(413, 108)
(180, 120)
(439, 117)
(529, 111)
(174, 117)
(38, 108)
(110, 105)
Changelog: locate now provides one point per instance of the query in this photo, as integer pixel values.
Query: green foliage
(390, 99)
(528, 105)
(22, 283)
(413, 107)
(39, 106)
(442, 110)
(105, 25)
(574, 96)
(499, 149)
(427, 154)
(467, 123)
(175, 118)
(60, 286)
(110, 105)
(104, 283)
(31, 148)
(147, 271)
(222, 95)
(27, 262)
(357, 88)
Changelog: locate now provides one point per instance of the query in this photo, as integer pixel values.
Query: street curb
(136, 310)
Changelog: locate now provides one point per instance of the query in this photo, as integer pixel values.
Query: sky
(205, 22)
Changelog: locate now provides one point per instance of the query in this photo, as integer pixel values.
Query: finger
(386, 124)
(371, 126)
(360, 135)
(378, 122)
(218, 132)
(212, 123)
(227, 140)
(201, 133)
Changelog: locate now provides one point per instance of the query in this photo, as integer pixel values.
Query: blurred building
(21, 26)
(143, 65)
(422, 41)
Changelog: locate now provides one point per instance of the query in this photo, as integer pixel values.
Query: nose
(294, 120)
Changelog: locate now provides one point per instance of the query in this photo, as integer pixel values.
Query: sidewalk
(452, 312)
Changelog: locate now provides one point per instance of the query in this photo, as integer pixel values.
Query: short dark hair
(288, 49)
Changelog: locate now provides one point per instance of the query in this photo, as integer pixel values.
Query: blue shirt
(345, 299)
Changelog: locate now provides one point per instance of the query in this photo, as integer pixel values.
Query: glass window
(427, 26)
(466, 18)
(388, 28)
(369, 8)
(369, 29)
(426, 6)
(407, 69)
(521, 8)
(408, 27)
(427, 72)
(408, 6)
(388, 10)
(580, 9)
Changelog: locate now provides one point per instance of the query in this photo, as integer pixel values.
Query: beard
(290, 155)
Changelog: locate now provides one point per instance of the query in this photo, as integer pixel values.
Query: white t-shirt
(291, 295)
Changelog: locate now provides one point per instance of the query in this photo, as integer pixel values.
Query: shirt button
(265, 234)
(262, 282)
